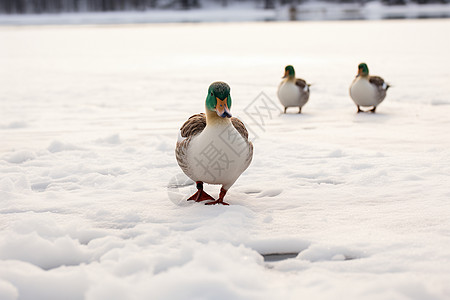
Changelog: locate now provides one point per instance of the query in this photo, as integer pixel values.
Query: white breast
(289, 94)
(364, 93)
(218, 155)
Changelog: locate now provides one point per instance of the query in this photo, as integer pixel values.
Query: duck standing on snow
(214, 148)
(366, 90)
(293, 92)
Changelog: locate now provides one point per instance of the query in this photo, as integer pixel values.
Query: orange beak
(360, 71)
(286, 74)
(222, 108)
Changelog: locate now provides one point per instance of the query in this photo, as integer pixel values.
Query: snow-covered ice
(91, 196)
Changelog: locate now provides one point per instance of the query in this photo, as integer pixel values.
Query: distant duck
(293, 92)
(214, 148)
(366, 90)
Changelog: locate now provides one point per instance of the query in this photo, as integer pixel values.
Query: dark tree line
(58, 6)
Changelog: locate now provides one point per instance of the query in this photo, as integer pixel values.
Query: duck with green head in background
(293, 92)
(367, 90)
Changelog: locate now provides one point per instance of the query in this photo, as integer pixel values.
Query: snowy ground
(89, 120)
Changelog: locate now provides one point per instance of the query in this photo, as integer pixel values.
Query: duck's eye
(212, 94)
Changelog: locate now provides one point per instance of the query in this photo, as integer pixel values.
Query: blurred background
(151, 11)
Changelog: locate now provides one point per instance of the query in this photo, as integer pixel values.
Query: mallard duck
(214, 147)
(293, 92)
(366, 90)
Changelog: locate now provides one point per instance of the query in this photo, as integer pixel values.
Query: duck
(367, 90)
(214, 147)
(293, 92)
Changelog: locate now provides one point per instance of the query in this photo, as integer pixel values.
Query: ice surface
(91, 196)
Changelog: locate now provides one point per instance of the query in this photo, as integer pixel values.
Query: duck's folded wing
(302, 84)
(193, 126)
(379, 82)
(240, 127)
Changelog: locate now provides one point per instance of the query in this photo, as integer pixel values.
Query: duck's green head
(289, 71)
(363, 69)
(219, 99)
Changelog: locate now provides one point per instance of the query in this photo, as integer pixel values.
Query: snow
(92, 199)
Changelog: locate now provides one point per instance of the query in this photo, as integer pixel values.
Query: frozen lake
(91, 196)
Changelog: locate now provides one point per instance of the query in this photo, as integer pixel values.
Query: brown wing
(240, 127)
(250, 155)
(381, 86)
(300, 83)
(378, 81)
(193, 126)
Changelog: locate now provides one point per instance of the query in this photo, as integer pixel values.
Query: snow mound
(58, 146)
(15, 183)
(278, 245)
(14, 125)
(439, 102)
(20, 156)
(34, 283)
(317, 253)
(113, 139)
(46, 254)
(270, 193)
(8, 291)
(6, 185)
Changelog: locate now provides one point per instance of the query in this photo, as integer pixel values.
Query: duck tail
(388, 86)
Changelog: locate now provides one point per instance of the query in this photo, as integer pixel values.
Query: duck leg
(359, 109)
(373, 109)
(299, 109)
(285, 109)
(200, 195)
(220, 200)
